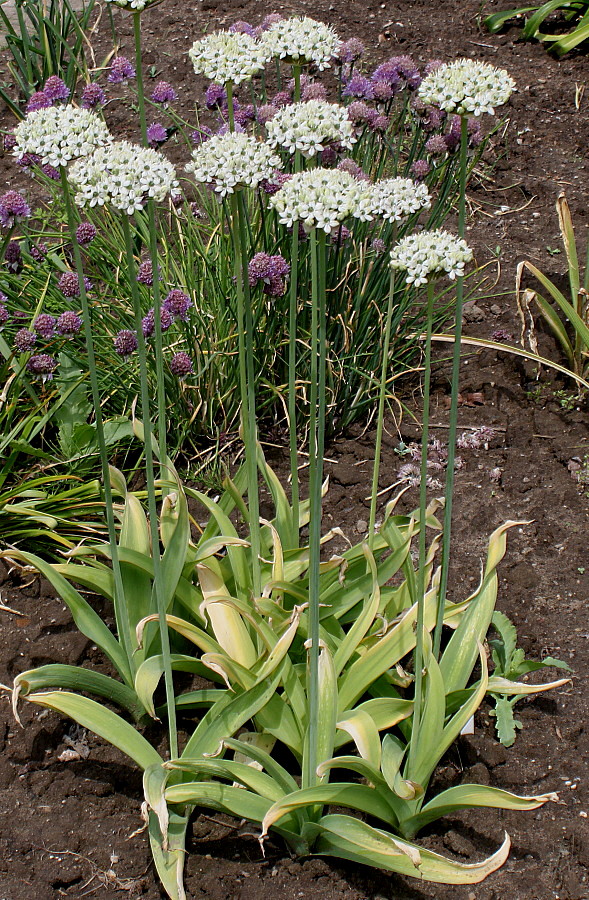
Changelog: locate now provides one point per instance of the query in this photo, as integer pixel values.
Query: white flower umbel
(124, 176)
(430, 253)
(228, 56)
(393, 199)
(467, 87)
(231, 161)
(320, 198)
(310, 127)
(301, 40)
(59, 134)
(136, 5)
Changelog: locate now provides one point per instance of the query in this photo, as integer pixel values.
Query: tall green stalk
(151, 498)
(420, 624)
(120, 607)
(449, 489)
(292, 344)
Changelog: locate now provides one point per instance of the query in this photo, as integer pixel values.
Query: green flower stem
(151, 499)
(230, 108)
(139, 71)
(419, 639)
(449, 489)
(381, 402)
(316, 447)
(120, 605)
(292, 377)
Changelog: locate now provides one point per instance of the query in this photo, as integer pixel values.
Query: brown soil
(69, 829)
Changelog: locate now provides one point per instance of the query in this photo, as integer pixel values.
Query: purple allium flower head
(50, 171)
(196, 211)
(181, 364)
(282, 98)
(314, 91)
(352, 168)
(44, 325)
(9, 141)
(328, 156)
(271, 270)
(69, 323)
(501, 334)
(241, 27)
(358, 86)
(56, 89)
(4, 314)
(351, 50)
(148, 322)
(273, 185)
(266, 112)
(92, 96)
(224, 128)
(145, 272)
(39, 251)
(201, 135)
(27, 160)
(304, 80)
(156, 134)
(380, 123)
(42, 365)
(69, 284)
(382, 91)
(436, 145)
(378, 245)
(85, 233)
(13, 208)
(432, 66)
(120, 70)
(125, 343)
(340, 236)
(13, 256)
(360, 113)
(164, 93)
(216, 96)
(177, 303)
(420, 169)
(270, 20)
(24, 340)
(38, 100)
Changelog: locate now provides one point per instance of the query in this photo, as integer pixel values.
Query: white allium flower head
(467, 87)
(310, 127)
(302, 40)
(395, 198)
(228, 56)
(137, 5)
(430, 253)
(124, 176)
(59, 134)
(321, 198)
(231, 161)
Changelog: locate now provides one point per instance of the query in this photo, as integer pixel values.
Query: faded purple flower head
(351, 50)
(69, 323)
(50, 172)
(85, 233)
(216, 96)
(39, 251)
(270, 20)
(181, 364)
(340, 236)
(56, 89)
(361, 114)
(24, 340)
(245, 114)
(148, 322)
(164, 93)
(358, 86)
(380, 123)
(69, 284)
(273, 185)
(27, 160)
(432, 66)
(120, 70)
(328, 156)
(92, 96)
(501, 334)
(145, 272)
(378, 245)
(436, 145)
(4, 314)
(282, 98)
(13, 208)
(420, 169)
(13, 256)
(382, 91)
(156, 134)
(241, 27)
(352, 168)
(224, 128)
(271, 270)
(38, 100)
(42, 365)
(201, 135)
(44, 325)
(177, 304)
(266, 112)
(314, 91)
(125, 343)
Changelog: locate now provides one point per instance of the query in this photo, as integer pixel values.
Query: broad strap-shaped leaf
(360, 726)
(349, 838)
(248, 776)
(237, 559)
(149, 673)
(364, 621)
(508, 688)
(495, 22)
(393, 753)
(191, 632)
(424, 748)
(103, 722)
(228, 626)
(280, 775)
(169, 862)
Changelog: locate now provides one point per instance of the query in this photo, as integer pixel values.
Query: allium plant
(310, 127)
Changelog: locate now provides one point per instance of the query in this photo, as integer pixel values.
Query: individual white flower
(302, 40)
(395, 198)
(228, 56)
(467, 87)
(123, 175)
(320, 198)
(310, 127)
(430, 253)
(232, 161)
(59, 134)
(137, 5)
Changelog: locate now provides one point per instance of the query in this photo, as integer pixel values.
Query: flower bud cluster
(228, 56)
(310, 127)
(467, 87)
(321, 198)
(123, 175)
(430, 253)
(60, 134)
(301, 40)
(231, 161)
